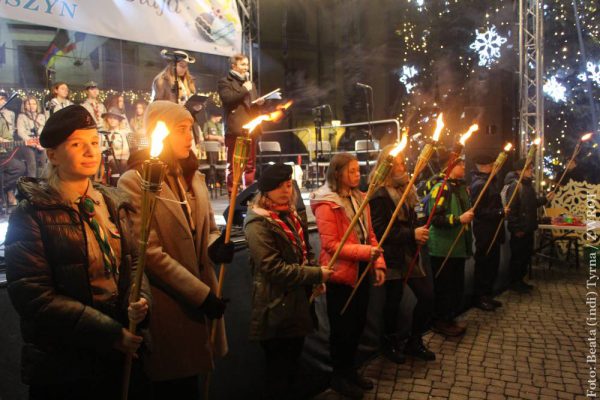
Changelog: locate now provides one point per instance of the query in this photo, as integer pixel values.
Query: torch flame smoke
(439, 125)
(463, 139)
(158, 135)
(274, 116)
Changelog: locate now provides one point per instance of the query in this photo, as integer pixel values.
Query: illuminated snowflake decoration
(593, 73)
(488, 45)
(406, 74)
(555, 90)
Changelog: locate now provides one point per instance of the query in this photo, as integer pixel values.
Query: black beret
(273, 176)
(483, 158)
(62, 123)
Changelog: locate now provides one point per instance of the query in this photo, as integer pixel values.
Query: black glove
(213, 307)
(220, 252)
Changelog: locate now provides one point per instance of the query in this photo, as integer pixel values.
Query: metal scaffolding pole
(531, 83)
(249, 13)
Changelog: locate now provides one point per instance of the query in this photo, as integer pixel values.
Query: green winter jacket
(282, 287)
(446, 224)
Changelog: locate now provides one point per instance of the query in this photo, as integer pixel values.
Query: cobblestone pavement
(533, 347)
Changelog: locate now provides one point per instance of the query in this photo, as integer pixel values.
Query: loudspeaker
(241, 203)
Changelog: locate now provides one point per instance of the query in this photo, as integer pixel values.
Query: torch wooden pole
(464, 226)
(575, 152)
(418, 169)
(147, 210)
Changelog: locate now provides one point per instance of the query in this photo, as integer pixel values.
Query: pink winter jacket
(332, 222)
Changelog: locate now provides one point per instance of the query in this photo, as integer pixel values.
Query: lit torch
(452, 161)
(528, 160)
(500, 160)
(422, 162)
(576, 151)
(153, 172)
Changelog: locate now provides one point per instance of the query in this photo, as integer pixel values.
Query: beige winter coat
(180, 278)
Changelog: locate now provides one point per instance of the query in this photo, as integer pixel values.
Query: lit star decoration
(555, 90)
(406, 74)
(487, 44)
(593, 73)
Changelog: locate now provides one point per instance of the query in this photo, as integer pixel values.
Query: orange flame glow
(537, 141)
(439, 125)
(585, 137)
(274, 116)
(508, 147)
(401, 146)
(158, 135)
(463, 139)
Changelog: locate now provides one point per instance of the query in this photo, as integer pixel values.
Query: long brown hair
(188, 79)
(336, 166)
(385, 152)
(54, 91)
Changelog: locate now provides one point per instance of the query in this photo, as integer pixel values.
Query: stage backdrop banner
(206, 26)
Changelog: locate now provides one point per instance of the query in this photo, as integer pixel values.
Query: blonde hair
(188, 79)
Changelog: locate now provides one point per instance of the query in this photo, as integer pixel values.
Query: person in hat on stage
(184, 243)
(93, 105)
(453, 210)
(237, 92)
(116, 141)
(522, 223)
(488, 214)
(163, 85)
(71, 258)
(284, 272)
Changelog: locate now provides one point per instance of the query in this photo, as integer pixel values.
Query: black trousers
(11, 171)
(423, 291)
(486, 270)
(346, 330)
(521, 251)
(182, 389)
(449, 287)
(282, 356)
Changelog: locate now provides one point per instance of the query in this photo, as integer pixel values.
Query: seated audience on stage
(115, 140)
(164, 82)
(399, 250)
(183, 244)
(60, 98)
(30, 123)
(284, 272)
(7, 118)
(70, 259)
(522, 223)
(334, 205)
(137, 138)
(453, 210)
(93, 104)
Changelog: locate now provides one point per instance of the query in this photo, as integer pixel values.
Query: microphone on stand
(363, 85)
(321, 107)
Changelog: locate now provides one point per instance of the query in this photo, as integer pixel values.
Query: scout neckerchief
(88, 212)
(297, 240)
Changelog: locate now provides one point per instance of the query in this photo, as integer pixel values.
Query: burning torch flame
(158, 135)
(585, 137)
(396, 150)
(468, 134)
(508, 147)
(274, 116)
(537, 141)
(439, 125)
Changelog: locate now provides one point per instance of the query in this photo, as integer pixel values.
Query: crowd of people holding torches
(116, 286)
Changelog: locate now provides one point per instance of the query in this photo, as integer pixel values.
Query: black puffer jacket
(488, 213)
(523, 210)
(67, 338)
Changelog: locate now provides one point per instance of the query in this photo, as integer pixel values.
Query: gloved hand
(213, 307)
(220, 252)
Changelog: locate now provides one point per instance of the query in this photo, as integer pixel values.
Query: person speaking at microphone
(237, 92)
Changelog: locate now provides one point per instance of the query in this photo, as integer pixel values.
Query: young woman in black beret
(284, 274)
(70, 260)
